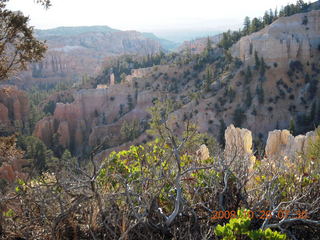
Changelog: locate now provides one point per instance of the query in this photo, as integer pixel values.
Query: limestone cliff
(79, 51)
(287, 39)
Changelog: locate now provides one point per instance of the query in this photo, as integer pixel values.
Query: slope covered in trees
(256, 24)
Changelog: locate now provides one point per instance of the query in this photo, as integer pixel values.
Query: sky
(146, 15)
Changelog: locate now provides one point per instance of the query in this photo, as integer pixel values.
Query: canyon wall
(14, 107)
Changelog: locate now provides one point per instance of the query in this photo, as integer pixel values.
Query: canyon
(76, 52)
(289, 50)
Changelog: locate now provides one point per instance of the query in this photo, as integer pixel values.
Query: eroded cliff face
(281, 144)
(287, 39)
(14, 107)
(281, 147)
(72, 56)
(95, 117)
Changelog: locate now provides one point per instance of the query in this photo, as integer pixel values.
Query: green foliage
(208, 51)
(121, 66)
(130, 102)
(49, 107)
(313, 150)
(160, 112)
(222, 130)
(228, 38)
(9, 214)
(246, 25)
(66, 160)
(292, 128)
(291, 9)
(240, 226)
(36, 152)
(230, 93)
(238, 116)
(130, 130)
(248, 100)
(257, 60)
(208, 79)
(19, 47)
(248, 75)
(262, 67)
(260, 93)
(121, 110)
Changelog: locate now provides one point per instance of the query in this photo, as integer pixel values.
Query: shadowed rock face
(14, 107)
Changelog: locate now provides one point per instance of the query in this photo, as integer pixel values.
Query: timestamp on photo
(260, 214)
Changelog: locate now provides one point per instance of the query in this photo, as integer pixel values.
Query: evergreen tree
(18, 44)
(257, 60)
(238, 116)
(292, 127)
(248, 75)
(222, 130)
(247, 25)
(276, 14)
(260, 93)
(262, 67)
(266, 19)
(256, 25)
(248, 100)
(130, 102)
(208, 79)
(208, 50)
(226, 41)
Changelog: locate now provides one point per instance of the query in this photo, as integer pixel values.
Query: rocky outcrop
(239, 146)
(203, 153)
(14, 107)
(284, 40)
(281, 144)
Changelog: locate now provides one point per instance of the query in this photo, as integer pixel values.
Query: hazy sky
(146, 15)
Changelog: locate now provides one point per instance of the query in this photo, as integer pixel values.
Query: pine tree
(260, 93)
(208, 79)
(247, 25)
(266, 19)
(257, 60)
(292, 127)
(248, 100)
(262, 67)
(248, 75)
(222, 130)
(256, 25)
